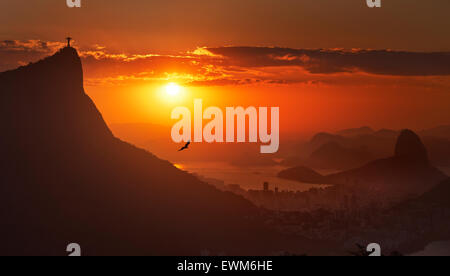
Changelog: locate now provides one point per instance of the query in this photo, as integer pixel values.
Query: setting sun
(173, 89)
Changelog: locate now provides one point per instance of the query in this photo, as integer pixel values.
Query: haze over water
(249, 178)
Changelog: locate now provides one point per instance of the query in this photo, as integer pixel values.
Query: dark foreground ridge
(66, 178)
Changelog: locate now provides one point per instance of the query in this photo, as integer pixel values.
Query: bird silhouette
(185, 146)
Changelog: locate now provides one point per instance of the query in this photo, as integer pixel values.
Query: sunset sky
(328, 64)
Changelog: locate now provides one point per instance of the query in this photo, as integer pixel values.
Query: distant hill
(303, 174)
(334, 156)
(437, 132)
(356, 131)
(409, 171)
(358, 145)
(324, 138)
(332, 151)
(386, 133)
(66, 178)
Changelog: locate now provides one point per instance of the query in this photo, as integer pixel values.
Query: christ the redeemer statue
(68, 41)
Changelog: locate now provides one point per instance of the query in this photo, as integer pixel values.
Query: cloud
(330, 61)
(29, 46)
(243, 65)
(15, 53)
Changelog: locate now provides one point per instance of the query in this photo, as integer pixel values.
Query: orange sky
(131, 49)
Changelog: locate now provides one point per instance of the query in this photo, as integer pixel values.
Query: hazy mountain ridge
(343, 150)
(361, 145)
(407, 172)
(334, 156)
(365, 130)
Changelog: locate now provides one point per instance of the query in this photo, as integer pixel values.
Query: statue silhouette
(68, 41)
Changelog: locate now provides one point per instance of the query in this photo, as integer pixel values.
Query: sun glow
(178, 166)
(173, 89)
(171, 93)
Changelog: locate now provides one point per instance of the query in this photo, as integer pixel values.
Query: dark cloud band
(380, 62)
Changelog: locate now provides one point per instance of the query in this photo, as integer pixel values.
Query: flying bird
(185, 146)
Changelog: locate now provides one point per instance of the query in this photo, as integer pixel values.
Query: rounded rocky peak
(410, 146)
(69, 51)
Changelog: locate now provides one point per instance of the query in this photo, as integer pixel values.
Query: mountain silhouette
(333, 151)
(303, 174)
(356, 147)
(356, 131)
(408, 172)
(409, 146)
(67, 179)
(334, 156)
